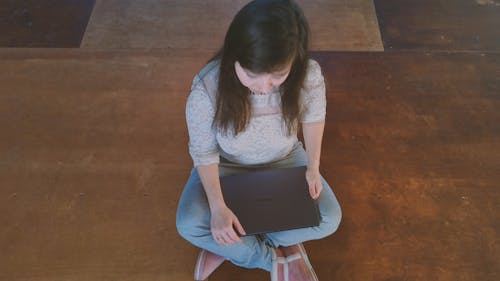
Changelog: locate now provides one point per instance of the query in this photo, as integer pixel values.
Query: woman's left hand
(313, 178)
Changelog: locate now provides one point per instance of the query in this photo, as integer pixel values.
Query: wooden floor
(93, 146)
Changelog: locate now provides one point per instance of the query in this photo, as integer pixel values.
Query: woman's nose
(269, 86)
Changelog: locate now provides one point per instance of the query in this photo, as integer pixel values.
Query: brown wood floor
(93, 149)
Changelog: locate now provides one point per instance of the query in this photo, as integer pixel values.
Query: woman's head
(265, 36)
(265, 49)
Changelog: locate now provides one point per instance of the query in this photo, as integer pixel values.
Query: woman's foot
(298, 266)
(207, 263)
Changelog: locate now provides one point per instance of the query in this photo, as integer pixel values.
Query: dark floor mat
(439, 24)
(43, 24)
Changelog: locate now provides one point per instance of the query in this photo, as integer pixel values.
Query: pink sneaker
(279, 267)
(298, 266)
(207, 263)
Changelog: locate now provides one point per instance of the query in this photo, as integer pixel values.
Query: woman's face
(262, 83)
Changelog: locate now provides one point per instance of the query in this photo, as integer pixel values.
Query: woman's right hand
(221, 224)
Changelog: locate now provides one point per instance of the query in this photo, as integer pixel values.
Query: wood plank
(92, 160)
(93, 157)
(412, 148)
(48, 24)
(460, 25)
(335, 25)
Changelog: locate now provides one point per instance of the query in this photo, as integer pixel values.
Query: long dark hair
(264, 36)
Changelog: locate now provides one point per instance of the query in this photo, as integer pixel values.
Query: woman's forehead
(275, 70)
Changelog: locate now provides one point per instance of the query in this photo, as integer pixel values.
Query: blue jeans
(256, 251)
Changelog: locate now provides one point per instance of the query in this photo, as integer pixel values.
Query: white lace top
(265, 139)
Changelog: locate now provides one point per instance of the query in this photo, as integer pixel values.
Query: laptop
(271, 200)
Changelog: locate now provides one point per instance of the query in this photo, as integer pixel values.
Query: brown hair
(264, 36)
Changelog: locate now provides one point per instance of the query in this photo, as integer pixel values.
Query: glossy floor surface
(93, 146)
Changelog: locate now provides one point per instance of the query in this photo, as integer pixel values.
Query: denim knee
(331, 220)
(190, 228)
(182, 227)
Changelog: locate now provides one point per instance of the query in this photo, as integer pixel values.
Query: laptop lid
(271, 200)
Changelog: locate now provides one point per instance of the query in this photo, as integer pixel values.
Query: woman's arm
(313, 136)
(209, 175)
(222, 218)
(200, 112)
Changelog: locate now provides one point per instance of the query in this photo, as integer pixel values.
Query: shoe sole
(200, 265)
(308, 263)
(199, 262)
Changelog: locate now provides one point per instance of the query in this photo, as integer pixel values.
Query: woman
(242, 114)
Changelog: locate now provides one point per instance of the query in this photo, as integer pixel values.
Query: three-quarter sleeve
(313, 95)
(200, 112)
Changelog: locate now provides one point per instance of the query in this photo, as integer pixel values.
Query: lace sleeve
(313, 95)
(200, 112)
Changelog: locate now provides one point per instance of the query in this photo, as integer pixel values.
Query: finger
(320, 188)
(239, 227)
(312, 191)
(230, 237)
(234, 236)
(219, 238)
(223, 240)
(315, 192)
(311, 187)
